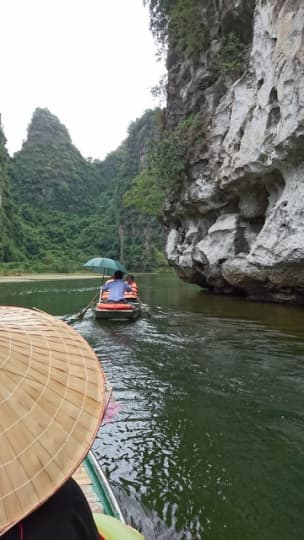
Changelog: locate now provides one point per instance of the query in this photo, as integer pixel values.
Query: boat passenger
(133, 295)
(53, 406)
(117, 288)
(65, 515)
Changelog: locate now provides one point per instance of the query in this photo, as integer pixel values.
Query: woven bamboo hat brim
(52, 399)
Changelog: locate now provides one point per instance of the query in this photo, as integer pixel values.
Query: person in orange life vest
(117, 288)
(133, 295)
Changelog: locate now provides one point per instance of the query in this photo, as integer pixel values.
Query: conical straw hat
(52, 399)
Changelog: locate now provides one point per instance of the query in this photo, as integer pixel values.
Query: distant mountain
(49, 171)
(45, 128)
(72, 208)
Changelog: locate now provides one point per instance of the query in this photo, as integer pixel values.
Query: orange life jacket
(133, 293)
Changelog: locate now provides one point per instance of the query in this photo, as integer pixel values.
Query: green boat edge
(102, 488)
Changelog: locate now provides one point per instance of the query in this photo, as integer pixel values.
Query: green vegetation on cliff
(206, 43)
(49, 172)
(165, 162)
(71, 209)
(137, 235)
(182, 28)
(178, 24)
(11, 233)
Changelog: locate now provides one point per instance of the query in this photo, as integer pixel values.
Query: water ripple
(208, 443)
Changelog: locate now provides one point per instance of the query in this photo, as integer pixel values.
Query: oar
(81, 313)
(145, 309)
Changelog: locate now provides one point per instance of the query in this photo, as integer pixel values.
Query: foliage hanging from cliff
(182, 27)
(176, 23)
(165, 164)
(233, 53)
(159, 12)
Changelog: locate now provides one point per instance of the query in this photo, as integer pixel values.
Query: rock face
(236, 225)
(45, 128)
(49, 172)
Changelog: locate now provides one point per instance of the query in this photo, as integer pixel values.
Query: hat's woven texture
(52, 399)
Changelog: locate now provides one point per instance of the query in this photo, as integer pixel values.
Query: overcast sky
(90, 62)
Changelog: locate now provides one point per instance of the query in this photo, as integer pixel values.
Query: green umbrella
(104, 265)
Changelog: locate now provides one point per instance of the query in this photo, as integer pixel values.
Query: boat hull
(102, 488)
(132, 312)
(108, 517)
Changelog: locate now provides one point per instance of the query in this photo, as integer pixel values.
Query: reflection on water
(209, 440)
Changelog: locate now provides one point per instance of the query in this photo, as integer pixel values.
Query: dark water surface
(209, 441)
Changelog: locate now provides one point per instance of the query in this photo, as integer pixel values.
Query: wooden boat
(99, 494)
(117, 311)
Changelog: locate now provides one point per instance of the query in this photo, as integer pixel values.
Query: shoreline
(45, 277)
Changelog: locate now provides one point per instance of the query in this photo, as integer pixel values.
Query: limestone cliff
(236, 222)
(49, 172)
(11, 233)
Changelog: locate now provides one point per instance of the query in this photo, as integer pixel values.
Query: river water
(209, 440)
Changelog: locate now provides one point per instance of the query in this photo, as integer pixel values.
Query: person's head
(53, 397)
(130, 278)
(118, 274)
